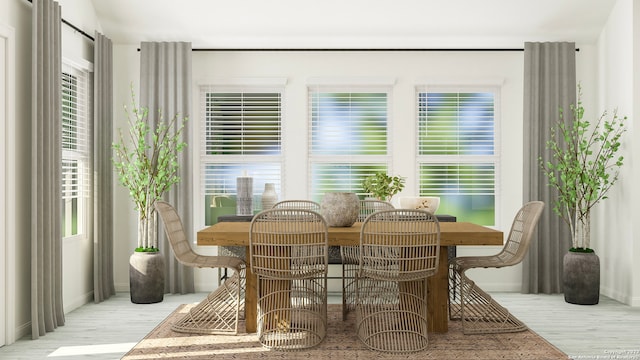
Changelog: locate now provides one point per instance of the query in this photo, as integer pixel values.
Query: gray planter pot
(146, 277)
(581, 278)
(340, 209)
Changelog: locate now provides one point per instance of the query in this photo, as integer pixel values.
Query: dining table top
(451, 234)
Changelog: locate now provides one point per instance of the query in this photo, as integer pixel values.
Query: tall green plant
(383, 186)
(147, 165)
(584, 167)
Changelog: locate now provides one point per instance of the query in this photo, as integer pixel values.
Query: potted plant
(147, 165)
(585, 165)
(383, 186)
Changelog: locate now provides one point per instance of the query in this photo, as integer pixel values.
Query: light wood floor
(609, 330)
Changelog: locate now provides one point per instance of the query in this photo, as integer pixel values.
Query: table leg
(438, 296)
(251, 299)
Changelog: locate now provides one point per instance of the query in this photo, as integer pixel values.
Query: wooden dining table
(451, 234)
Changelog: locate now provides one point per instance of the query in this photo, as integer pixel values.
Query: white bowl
(429, 203)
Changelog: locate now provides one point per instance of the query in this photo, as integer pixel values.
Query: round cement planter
(340, 209)
(146, 277)
(581, 278)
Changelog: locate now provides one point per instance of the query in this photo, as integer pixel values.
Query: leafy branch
(585, 165)
(147, 164)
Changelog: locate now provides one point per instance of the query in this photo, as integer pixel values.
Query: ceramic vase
(269, 196)
(581, 278)
(340, 209)
(146, 277)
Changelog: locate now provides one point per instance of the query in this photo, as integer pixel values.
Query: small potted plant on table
(383, 186)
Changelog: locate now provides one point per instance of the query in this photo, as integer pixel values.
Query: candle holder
(244, 200)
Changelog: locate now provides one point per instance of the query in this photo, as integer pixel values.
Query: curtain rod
(358, 49)
(77, 29)
(73, 27)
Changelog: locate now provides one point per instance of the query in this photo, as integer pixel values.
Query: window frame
(239, 86)
(83, 73)
(495, 159)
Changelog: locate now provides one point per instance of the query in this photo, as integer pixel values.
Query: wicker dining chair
(220, 311)
(399, 251)
(288, 252)
(349, 256)
(478, 311)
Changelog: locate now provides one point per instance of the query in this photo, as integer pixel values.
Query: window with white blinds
(76, 171)
(242, 135)
(349, 137)
(457, 150)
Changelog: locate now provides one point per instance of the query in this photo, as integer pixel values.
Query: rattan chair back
(180, 245)
(521, 233)
(297, 204)
(399, 244)
(288, 243)
(369, 206)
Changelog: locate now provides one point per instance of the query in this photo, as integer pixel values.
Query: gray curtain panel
(103, 283)
(47, 311)
(165, 85)
(549, 85)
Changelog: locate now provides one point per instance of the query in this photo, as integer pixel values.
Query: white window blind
(457, 179)
(75, 134)
(348, 123)
(242, 135)
(348, 137)
(76, 148)
(457, 150)
(341, 177)
(242, 123)
(220, 178)
(456, 123)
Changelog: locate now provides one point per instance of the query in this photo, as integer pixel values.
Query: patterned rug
(340, 343)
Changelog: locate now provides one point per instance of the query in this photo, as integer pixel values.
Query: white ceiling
(352, 23)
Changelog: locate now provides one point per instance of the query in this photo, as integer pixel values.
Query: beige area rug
(340, 343)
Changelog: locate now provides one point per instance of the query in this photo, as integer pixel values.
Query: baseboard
(500, 287)
(619, 296)
(78, 302)
(122, 287)
(22, 331)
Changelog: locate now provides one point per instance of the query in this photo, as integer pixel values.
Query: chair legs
(478, 311)
(219, 312)
(292, 314)
(349, 256)
(392, 316)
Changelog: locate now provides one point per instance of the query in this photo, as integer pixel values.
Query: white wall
(408, 69)
(126, 70)
(616, 229)
(635, 154)
(18, 16)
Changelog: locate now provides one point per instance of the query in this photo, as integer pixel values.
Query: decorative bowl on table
(429, 203)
